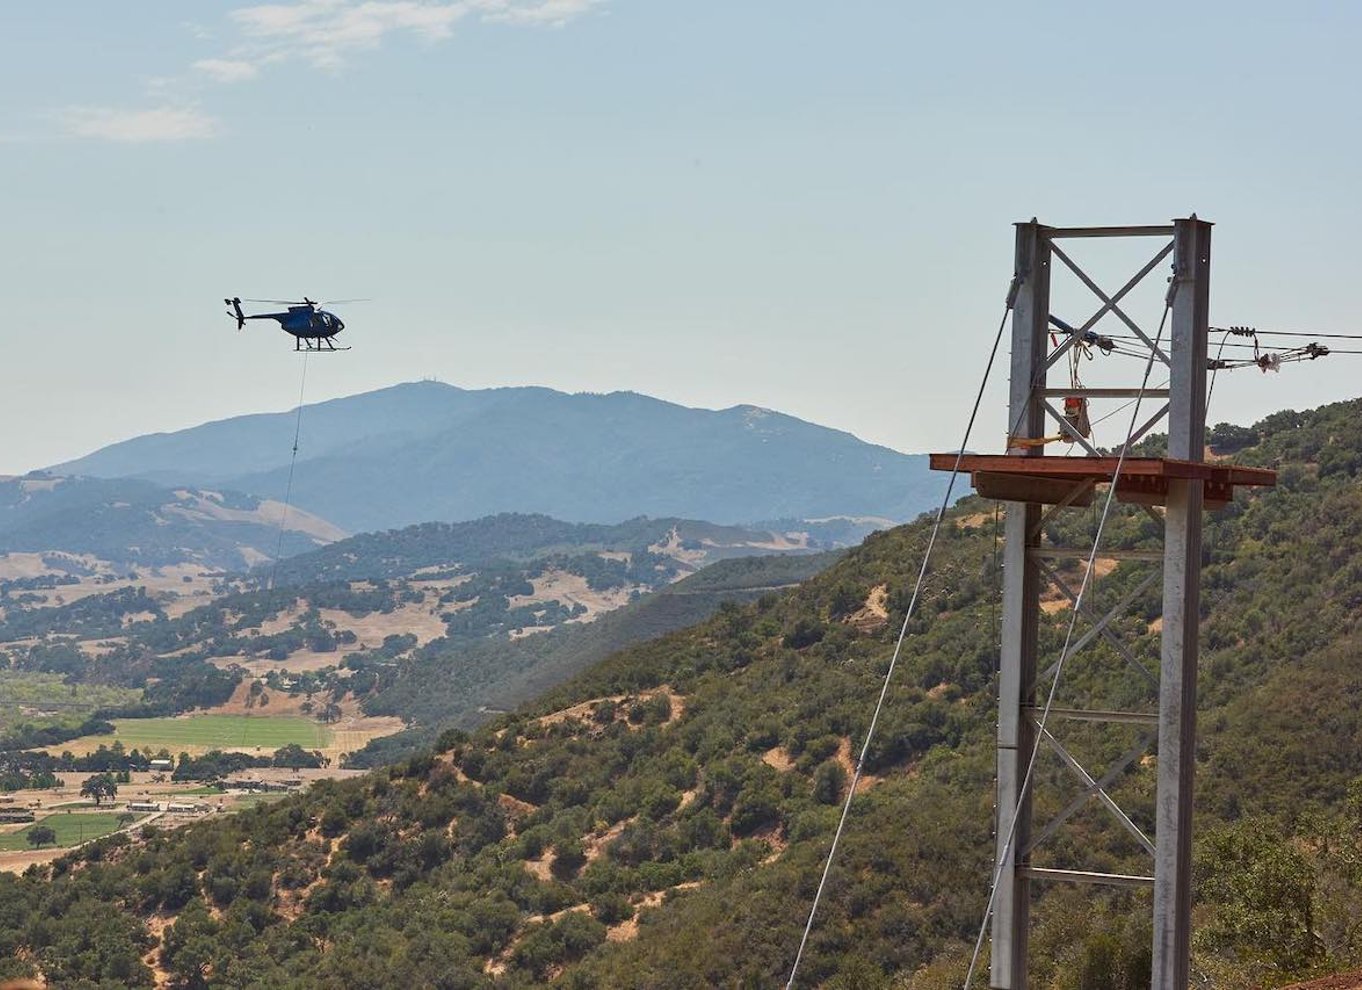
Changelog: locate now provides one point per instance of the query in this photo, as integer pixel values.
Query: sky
(807, 206)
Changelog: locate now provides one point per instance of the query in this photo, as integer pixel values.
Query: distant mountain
(428, 451)
(128, 522)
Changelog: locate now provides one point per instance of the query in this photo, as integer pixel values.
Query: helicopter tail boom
(235, 303)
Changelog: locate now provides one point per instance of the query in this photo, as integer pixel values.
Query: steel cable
(898, 645)
(288, 488)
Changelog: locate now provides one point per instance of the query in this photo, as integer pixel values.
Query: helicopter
(311, 326)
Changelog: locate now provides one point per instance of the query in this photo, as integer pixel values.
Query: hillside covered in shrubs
(661, 820)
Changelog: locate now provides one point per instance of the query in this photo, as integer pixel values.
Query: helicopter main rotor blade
(278, 302)
(343, 302)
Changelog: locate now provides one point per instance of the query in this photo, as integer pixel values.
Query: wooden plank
(1029, 488)
(1099, 469)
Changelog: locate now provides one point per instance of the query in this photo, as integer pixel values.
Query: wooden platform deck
(1144, 480)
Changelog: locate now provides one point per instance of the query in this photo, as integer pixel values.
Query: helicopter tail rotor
(235, 303)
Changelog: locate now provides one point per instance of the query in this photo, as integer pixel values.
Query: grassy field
(24, 695)
(71, 829)
(268, 732)
(251, 800)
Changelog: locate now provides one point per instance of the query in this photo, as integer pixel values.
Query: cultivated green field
(71, 829)
(251, 800)
(268, 732)
(23, 694)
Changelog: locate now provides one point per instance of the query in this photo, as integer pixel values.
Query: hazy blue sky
(801, 205)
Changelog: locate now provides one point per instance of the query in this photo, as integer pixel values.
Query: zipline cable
(1064, 652)
(1288, 333)
(288, 488)
(903, 632)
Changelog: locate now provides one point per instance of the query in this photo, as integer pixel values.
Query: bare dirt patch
(541, 868)
(624, 931)
(848, 763)
(198, 505)
(594, 844)
(585, 710)
(671, 547)
(1053, 600)
(778, 543)
(24, 564)
(974, 519)
(20, 860)
(296, 663)
(284, 621)
(416, 618)
(777, 759)
(874, 613)
(572, 589)
(178, 588)
(351, 736)
(774, 840)
(96, 648)
(515, 807)
(240, 703)
(496, 965)
(156, 928)
(419, 619)
(627, 931)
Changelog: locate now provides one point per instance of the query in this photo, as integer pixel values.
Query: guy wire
(898, 645)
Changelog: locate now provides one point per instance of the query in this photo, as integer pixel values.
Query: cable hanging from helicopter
(313, 330)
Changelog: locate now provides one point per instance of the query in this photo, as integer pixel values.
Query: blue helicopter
(312, 327)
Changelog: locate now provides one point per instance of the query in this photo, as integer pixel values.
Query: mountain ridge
(426, 451)
(129, 522)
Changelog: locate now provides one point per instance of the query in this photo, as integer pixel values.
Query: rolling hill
(688, 545)
(432, 624)
(426, 451)
(126, 523)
